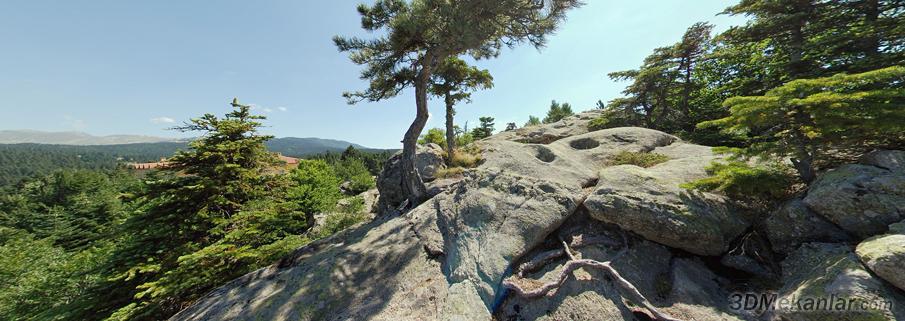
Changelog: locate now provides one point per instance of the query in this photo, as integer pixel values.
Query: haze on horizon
(110, 67)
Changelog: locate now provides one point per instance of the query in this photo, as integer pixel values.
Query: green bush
(316, 186)
(598, 124)
(641, 159)
(353, 170)
(740, 180)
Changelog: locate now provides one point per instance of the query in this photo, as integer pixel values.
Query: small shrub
(351, 205)
(337, 222)
(743, 181)
(598, 124)
(641, 159)
(354, 171)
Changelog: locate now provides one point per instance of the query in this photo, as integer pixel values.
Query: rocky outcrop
(885, 255)
(479, 227)
(818, 276)
(428, 160)
(541, 188)
(651, 204)
(861, 199)
(794, 224)
(547, 133)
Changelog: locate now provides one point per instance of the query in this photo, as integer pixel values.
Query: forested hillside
(20, 161)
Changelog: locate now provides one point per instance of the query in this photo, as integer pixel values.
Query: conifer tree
(453, 81)
(485, 129)
(557, 112)
(421, 34)
(817, 122)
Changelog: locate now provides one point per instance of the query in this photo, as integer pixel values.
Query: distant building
(148, 166)
(290, 163)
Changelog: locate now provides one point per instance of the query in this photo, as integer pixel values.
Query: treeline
(104, 245)
(21, 161)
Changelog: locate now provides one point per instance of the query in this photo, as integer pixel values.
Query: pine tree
(818, 122)
(485, 129)
(453, 81)
(194, 217)
(421, 34)
(532, 121)
(557, 112)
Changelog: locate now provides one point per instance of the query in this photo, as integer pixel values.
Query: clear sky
(135, 67)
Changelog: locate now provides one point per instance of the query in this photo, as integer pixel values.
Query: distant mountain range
(73, 138)
(289, 146)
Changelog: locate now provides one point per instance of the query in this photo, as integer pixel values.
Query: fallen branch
(520, 285)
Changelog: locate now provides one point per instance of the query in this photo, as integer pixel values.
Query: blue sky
(135, 67)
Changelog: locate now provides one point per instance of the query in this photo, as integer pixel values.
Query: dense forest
(810, 81)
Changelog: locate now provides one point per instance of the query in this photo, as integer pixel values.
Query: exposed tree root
(543, 258)
(528, 288)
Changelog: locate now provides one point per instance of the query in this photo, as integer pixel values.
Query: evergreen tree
(485, 129)
(421, 34)
(453, 81)
(557, 112)
(511, 126)
(817, 122)
(532, 121)
(199, 222)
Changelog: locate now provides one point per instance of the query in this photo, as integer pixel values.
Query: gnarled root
(528, 288)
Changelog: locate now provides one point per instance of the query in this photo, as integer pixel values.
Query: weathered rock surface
(548, 133)
(832, 272)
(651, 203)
(374, 272)
(428, 160)
(478, 228)
(861, 199)
(885, 255)
(794, 224)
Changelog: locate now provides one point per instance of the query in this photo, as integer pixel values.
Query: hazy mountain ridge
(290, 146)
(74, 138)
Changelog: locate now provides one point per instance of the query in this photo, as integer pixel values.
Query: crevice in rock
(545, 154)
(584, 143)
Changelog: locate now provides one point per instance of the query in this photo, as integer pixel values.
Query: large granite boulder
(885, 255)
(794, 224)
(651, 203)
(861, 199)
(818, 276)
(428, 160)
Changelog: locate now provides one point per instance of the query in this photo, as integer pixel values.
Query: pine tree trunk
(412, 184)
(796, 67)
(450, 130)
(686, 96)
(872, 40)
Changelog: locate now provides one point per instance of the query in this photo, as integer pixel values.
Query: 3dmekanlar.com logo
(829, 303)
